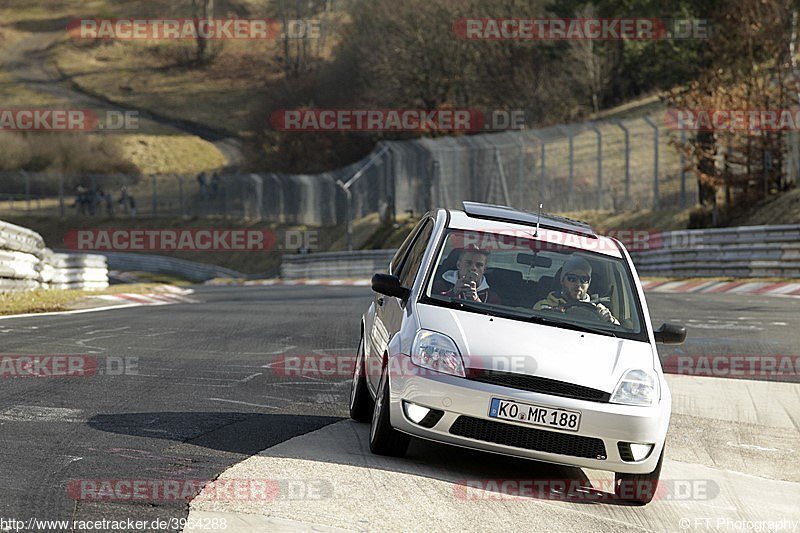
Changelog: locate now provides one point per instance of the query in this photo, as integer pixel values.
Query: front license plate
(536, 415)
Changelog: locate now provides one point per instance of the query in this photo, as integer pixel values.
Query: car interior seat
(508, 284)
(449, 263)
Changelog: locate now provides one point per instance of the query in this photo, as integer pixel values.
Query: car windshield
(524, 278)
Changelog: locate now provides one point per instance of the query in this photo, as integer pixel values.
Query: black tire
(638, 489)
(361, 403)
(383, 438)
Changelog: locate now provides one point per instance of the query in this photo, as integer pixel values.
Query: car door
(376, 307)
(389, 310)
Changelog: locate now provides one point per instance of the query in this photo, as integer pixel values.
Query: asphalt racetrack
(190, 392)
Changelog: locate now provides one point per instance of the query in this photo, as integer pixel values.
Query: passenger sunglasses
(572, 278)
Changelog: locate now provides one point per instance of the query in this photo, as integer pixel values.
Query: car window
(397, 261)
(524, 278)
(412, 262)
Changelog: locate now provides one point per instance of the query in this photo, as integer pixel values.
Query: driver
(576, 274)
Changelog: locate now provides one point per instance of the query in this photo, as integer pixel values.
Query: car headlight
(438, 352)
(637, 387)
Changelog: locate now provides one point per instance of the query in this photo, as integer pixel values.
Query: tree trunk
(706, 166)
(204, 10)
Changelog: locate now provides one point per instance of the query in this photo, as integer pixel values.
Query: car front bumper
(461, 397)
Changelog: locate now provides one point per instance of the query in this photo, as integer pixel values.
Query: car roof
(573, 234)
(510, 214)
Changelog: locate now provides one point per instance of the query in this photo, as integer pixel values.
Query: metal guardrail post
(570, 136)
(656, 193)
(180, 195)
(391, 184)
(503, 183)
(620, 125)
(347, 214)
(683, 170)
(28, 191)
(61, 210)
(226, 183)
(155, 196)
(345, 186)
(542, 154)
(594, 128)
(520, 162)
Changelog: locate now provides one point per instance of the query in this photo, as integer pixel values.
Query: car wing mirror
(670, 334)
(390, 286)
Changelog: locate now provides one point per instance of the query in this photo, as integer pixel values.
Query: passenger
(576, 275)
(468, 281)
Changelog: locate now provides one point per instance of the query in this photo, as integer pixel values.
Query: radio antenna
(536, 233)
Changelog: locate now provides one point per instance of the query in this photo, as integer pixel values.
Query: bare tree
(202, 10)
(300, 21)
(752, 71)
(592, 63)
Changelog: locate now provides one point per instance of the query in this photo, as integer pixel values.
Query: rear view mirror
(533, 260)
(390, 286)
(670, 334)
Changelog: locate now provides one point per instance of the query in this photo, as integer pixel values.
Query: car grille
(537, 384)
(528, 438)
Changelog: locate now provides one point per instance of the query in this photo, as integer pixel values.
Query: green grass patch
(662, 220)
(52, 300)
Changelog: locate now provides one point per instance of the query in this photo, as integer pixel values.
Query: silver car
(516, 333)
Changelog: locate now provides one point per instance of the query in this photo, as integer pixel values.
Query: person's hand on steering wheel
(592, 311)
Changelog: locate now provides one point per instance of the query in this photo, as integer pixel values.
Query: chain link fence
(605, 165)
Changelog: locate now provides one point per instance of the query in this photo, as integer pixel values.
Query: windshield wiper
(458, 303)
(472, 306)
(482, 308)
(568, 325)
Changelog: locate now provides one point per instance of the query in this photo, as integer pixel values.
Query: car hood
(587, 359)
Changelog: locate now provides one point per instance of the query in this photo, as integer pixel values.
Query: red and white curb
(164, 295)
(699, 286)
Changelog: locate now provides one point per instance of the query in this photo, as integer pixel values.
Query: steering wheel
(583, 310)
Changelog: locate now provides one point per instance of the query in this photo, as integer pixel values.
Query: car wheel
(383, 438)
(361, 403)
(638, 488)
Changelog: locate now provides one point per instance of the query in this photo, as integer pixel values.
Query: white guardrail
(357, 264)
(159, 264)
(26, 264)
(741, 252)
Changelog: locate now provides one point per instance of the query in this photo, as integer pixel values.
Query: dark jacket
(444, 286)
